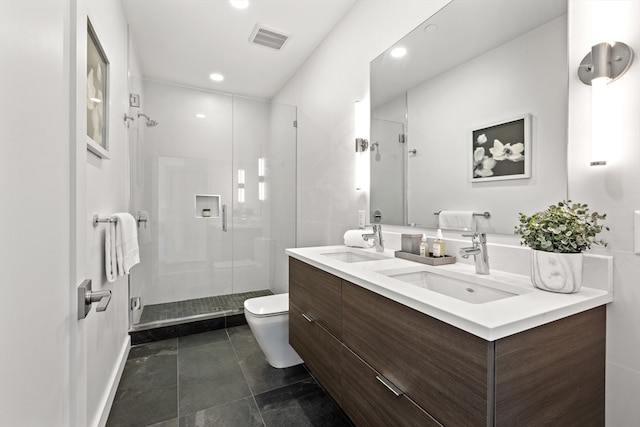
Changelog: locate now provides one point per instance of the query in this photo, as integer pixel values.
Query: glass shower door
(183, 182)
(208, 151)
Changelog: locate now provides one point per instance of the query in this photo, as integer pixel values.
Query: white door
(37, 324)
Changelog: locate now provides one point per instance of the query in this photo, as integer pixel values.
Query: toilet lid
(270, 305)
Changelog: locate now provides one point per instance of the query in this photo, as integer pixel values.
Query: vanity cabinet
(437, 374)
(440, 367)
(318, 294)
(315, 322)
(368, 402)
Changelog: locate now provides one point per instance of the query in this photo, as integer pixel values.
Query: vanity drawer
(368, 402)
(318, 348)
(441, 368)
(318, 294)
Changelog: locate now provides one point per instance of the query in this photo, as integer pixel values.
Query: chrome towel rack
(486, 214)
(97, 220)
(139, 218)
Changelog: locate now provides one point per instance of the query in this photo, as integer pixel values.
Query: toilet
(268, 318)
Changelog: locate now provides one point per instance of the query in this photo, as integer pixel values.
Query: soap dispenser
(438, 245)
(424, 246)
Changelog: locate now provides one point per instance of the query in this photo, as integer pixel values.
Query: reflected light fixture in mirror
(240, 185)
(398, 52)
(261, 184)
(603, 65)
(362, 144)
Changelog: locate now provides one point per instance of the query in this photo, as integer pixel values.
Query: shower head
(150, 122)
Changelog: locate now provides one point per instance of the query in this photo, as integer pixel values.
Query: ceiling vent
(268, 37)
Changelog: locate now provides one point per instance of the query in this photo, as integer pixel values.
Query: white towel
(354, 238)
(121, 246)
(110, 264)
(456, 220)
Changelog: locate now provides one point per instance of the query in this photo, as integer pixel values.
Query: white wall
(324, 89)
(103, 340)
(335, 75)
(613, 189)
(35, 304)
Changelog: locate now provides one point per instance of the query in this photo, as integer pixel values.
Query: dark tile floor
(218, 378)
(198, 306)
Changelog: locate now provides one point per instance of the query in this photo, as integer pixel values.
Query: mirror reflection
(442, 134)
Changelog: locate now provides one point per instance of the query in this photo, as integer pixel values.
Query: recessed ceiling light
(239, 4)
(200, 116)
(216, 77)
(96, 100)
(398, 52)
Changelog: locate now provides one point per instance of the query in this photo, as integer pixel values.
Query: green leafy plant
(566, 228)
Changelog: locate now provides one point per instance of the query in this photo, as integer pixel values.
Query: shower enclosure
(214, 177)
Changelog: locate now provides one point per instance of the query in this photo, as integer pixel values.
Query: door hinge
(295, 123)
(402, 138)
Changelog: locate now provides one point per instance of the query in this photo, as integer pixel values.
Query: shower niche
(207, 206)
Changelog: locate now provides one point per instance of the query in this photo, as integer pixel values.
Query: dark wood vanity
(389, 365)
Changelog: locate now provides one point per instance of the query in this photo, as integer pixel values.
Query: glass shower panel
(264, 141)
(388, 159)
(280, 191)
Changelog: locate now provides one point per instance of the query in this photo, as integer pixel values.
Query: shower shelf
(210, 202)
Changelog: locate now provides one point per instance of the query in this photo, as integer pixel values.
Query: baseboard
(114, 381)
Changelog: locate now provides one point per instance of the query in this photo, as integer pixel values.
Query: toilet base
(272, 335)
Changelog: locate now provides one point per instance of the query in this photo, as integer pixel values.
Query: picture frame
(502, 150)
(97, 95)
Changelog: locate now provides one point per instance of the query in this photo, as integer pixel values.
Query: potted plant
(558, 236)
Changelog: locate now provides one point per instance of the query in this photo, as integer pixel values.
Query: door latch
(86, 297)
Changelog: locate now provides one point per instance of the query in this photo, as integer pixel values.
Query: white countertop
(491, 320)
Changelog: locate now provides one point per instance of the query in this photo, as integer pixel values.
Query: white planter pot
(556, 272)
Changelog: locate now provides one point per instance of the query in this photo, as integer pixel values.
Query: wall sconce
(240, 185)
(362, 145)
(261, 184)
(604, 64)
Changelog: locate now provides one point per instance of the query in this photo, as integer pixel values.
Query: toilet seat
(271, 305)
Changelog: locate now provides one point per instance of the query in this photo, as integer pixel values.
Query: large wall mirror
(437, 112)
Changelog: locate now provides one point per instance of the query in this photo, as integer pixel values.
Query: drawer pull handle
(307, 318)
(388, 384)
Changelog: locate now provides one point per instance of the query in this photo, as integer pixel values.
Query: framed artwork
(502, 151)
(97, 95)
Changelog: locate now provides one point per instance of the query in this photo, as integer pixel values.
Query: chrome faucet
(479, 252)
(376, 236)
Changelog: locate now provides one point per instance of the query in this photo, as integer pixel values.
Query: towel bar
(97, 220)
(486, 214)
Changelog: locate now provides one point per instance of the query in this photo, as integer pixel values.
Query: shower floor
(220, 304)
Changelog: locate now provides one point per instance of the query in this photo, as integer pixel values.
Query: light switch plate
(636, 232)
(361, 218)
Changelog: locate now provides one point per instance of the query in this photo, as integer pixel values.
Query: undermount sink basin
(455, 288)
(353, 255)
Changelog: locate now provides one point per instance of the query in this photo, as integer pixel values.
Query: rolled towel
(456, 220)
(354, 238)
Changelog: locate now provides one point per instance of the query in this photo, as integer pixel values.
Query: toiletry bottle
(438, 245)
(424, 246)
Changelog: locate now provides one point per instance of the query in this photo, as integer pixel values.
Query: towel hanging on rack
(456, 220)
(121, 245)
